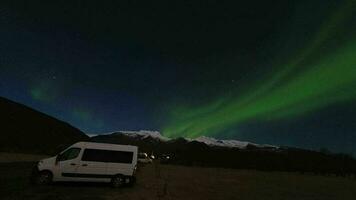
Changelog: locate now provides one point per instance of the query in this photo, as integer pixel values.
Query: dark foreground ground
(157, 181)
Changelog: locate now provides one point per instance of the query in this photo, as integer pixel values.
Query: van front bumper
(34, 173)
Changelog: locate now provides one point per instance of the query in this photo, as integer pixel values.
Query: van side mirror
(58, 158)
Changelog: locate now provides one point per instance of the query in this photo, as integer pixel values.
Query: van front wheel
(44, 178)
(132, 181)
(117, 181)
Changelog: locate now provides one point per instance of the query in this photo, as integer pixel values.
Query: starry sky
(279, 72)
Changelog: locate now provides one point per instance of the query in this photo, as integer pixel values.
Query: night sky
(277, 72)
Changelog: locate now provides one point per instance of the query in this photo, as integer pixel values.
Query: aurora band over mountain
(319, 82)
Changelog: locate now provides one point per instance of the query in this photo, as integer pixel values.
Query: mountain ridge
(210, 141)
(26, 130)
(210, 152)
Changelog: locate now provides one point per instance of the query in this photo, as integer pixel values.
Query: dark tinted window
(107, 156)
(69, 154)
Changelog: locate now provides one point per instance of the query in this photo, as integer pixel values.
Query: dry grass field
(19, 157)
(156, 181)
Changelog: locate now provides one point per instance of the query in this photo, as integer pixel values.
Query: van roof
(97, 145)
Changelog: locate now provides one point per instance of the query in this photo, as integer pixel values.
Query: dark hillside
(28, 131)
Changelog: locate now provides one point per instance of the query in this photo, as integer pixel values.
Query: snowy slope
(223, 143)
(142, 134)
(230, 143)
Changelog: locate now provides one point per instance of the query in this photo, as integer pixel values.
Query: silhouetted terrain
(28, 131)
(194, 153)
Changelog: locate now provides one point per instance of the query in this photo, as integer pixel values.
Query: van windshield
(69, 154)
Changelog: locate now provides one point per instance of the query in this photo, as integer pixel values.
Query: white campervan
(89, 162)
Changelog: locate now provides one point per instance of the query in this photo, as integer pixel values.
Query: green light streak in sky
(41, 92)
(82, 114)
(328, 81)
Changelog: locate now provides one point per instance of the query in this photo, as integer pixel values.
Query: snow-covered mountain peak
(145, 134)
(223, 143)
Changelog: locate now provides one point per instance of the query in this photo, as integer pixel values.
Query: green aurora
(318, 83)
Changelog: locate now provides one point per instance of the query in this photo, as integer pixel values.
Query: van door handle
(84, 165)
(72, 164)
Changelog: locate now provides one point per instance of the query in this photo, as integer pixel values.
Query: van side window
(97, 155)
(69, 154)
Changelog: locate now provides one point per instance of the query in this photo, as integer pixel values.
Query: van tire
(43, 178)
(117, 181)
(132, 181)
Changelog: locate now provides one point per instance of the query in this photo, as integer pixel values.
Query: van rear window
(98, 155)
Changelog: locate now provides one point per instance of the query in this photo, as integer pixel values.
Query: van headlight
(39, 162)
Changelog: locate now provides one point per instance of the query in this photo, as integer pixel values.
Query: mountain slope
(231, 143)
(28, 131)
(210, 152)
(142, 134)
(156, 136)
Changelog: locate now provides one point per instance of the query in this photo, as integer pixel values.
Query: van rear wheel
(44, 178)
(117, 181)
